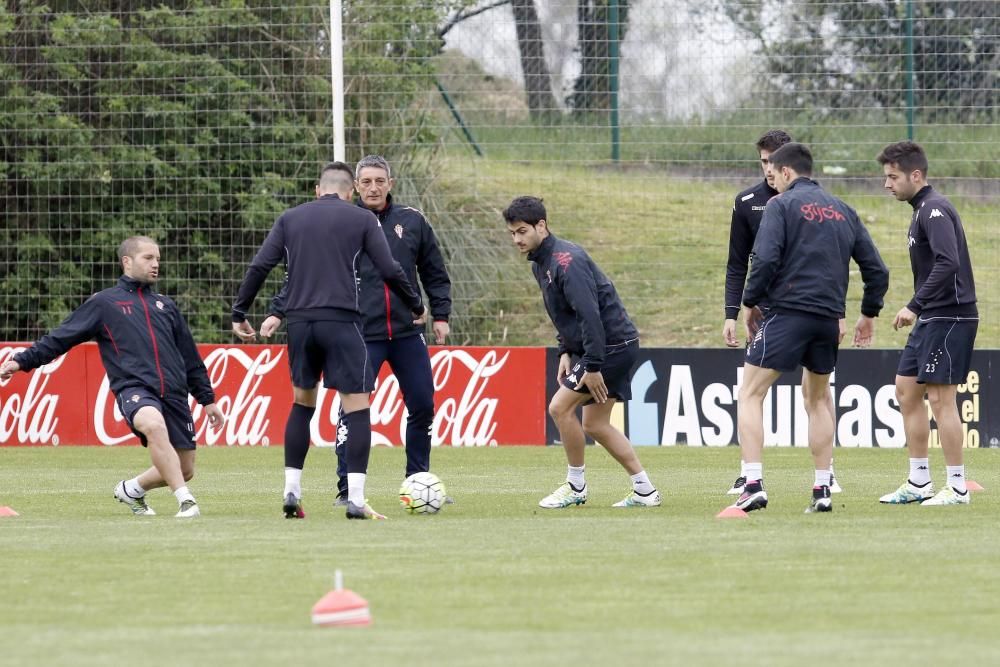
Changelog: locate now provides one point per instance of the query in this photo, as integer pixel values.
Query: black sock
(297, 435)
(355, 431)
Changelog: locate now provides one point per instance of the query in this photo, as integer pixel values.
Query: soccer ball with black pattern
(422, 493)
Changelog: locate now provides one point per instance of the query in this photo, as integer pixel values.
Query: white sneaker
(564, 496)
(189, 509)
(834, 486)
(947, 496)
(636, 499)
(137, 505)
(737, 487)
(908, 493)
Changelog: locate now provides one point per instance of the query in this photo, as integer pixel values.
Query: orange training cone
(341, 607)
(973, 486)
(731, 512)
(8, 511)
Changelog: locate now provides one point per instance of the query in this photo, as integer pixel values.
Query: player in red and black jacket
(801, 264)
(152, 364)
(945, 319)
(390, 332)
(598, 346)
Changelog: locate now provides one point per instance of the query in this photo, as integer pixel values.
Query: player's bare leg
(816, 390)
(945, 410)
(562, 409)
(750, 419)
(597, 425)
(918, 486)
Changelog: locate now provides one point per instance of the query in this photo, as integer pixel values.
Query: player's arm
(943, 241)
(875, 275)
(740, 246)
(81, 325)
(271, 252)
(276, 311)
(377, 249)
(579, 287)
(435, 280)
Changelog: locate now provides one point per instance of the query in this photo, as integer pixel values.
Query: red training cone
(731, 513)
(973, 486)
(8, 511)
(341, 607)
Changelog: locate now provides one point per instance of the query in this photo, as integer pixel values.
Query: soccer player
(943, 311)
(321, 242)
(152, 363)
(390, 333)
(598, 345)
(747, 212)
(801, 263)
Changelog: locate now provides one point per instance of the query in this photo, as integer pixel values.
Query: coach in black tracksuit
(598, 346)
(322, 243)
(152, 363)
(389, 330)
(801, 264)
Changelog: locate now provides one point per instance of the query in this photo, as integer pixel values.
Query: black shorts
(787, 340)
(616, 370)
(335, 350)
(939, 350)
(176, 414)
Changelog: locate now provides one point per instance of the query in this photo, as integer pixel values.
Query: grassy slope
(493, 580)
(663, 239)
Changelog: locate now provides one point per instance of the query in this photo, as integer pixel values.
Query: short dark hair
(328, 176)
(796, 157)
(906, 155)
(130, 246)
(772, 140)
(525, 209)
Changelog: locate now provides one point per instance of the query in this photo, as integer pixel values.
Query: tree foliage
(838, 57)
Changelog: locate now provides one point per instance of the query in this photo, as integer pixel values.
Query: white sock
(920, 472)
(182, 494)
(132, 488)
(822, 478)
(574, 476)
(743, 468)
(831, 469)
(956, 478)
(293, 482)
(641, 483)
(754, 471)
(356, 488)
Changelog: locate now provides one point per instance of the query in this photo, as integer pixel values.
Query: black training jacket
(939, 256)
(801, 258)
(747, 212)
(580, 300)
(322, 242)
(143, 339)
(413, 244)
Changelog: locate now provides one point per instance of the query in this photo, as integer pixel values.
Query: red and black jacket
(143, 339)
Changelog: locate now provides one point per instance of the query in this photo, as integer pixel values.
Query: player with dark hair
(152, 363)
(321, 243)
(747, 212)
(943, 310)
(390, 333)
(801, 264)
(598, 346)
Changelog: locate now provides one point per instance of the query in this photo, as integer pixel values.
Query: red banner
(484, 396)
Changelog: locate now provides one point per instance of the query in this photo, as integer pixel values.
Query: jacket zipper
(152, 336)
(388, 311)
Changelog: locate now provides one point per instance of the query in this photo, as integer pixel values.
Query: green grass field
(493, 580)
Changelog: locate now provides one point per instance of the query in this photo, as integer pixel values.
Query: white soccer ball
(422, 493)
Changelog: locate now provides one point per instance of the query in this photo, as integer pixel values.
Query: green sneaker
(636, 499)
(137, 505)
(564, 496)
(908, 493)
(947, 496)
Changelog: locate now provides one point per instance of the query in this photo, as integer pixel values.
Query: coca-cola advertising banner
(684, 396)
(484, 396)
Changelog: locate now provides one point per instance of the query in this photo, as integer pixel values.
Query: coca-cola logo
(465, 417)
(32, 415)
(246, 409)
